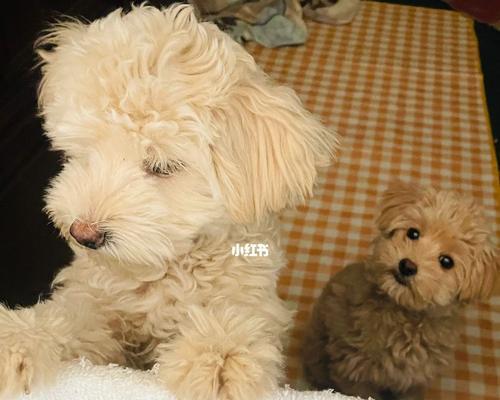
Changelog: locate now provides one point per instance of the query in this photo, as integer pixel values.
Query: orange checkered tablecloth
(403, 86)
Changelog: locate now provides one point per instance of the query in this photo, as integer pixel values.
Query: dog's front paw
(216, 375)
(231, 358)
(26, 358)
(16, 370)
(24, 365)
(245, 377)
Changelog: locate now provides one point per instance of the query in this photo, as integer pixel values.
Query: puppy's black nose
(407, 267)
(86, 234)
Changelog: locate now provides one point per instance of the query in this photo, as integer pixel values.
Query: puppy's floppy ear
(397, 197)
(268, 148)
(479, 278)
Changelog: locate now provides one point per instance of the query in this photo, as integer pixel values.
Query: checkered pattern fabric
(403, 86)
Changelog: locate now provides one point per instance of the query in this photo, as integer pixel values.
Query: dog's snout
(86, 234)
(407, 267)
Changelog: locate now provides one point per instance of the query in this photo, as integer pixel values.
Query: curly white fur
(155, 88)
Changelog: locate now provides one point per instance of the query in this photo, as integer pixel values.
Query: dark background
(31, 251)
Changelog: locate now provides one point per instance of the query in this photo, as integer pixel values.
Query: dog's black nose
(407, 267)
(86, 234)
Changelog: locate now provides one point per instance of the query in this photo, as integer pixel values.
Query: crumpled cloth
(332, 12)
(274, 23)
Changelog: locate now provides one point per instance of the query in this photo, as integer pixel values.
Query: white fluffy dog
(177, 147)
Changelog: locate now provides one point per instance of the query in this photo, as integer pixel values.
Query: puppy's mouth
(400, 278)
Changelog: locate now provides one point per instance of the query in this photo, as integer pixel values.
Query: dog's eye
(413, 234)
(164, 169)
(446, 261)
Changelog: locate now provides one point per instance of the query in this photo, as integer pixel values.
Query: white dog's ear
(479, 279)
(397, 197)
(268, 148)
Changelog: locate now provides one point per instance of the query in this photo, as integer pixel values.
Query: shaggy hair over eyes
(177, 147)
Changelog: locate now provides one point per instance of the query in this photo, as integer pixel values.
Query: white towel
(84, 381)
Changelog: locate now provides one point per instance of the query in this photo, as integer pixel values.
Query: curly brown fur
(385, 327)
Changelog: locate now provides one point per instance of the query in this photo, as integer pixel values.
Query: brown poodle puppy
(384, 328)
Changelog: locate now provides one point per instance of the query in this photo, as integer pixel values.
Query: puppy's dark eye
(446, 262)
(413, 234)
(164, 169)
